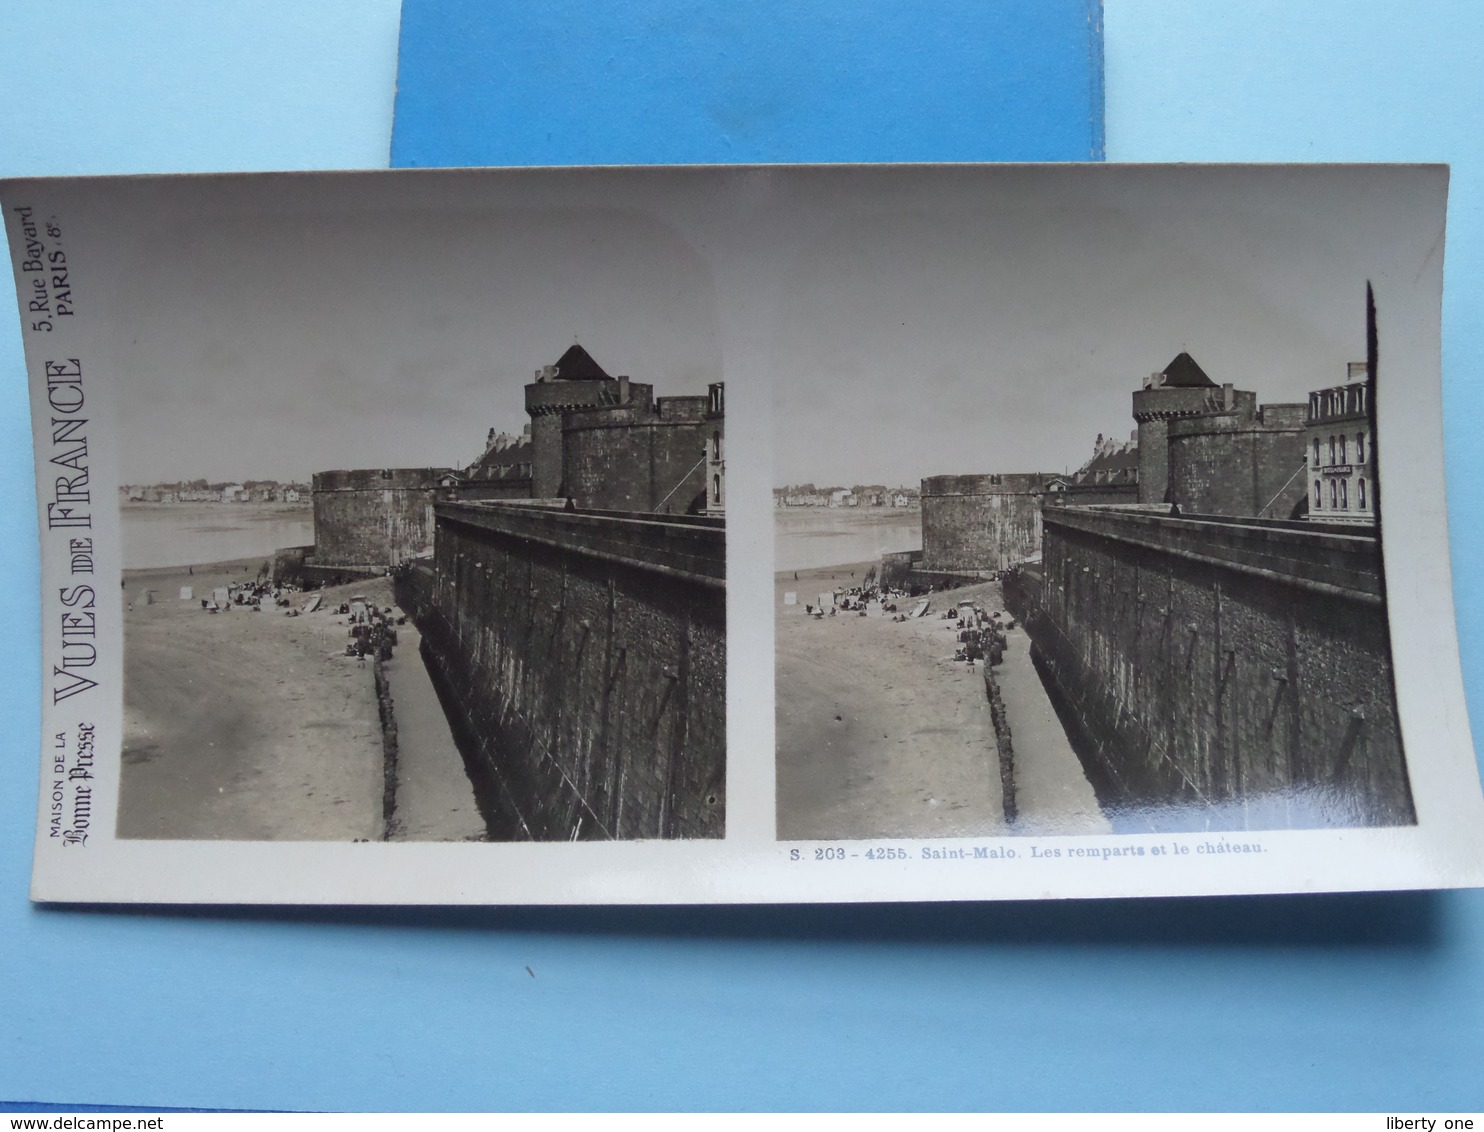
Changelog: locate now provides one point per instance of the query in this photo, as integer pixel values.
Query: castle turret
(1180, 390)
(574, 382)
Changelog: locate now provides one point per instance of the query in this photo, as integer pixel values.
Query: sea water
(182, 534)
(806, 538)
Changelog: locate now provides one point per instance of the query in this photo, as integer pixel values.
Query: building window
(1360, 448)
(1344, 496)
(1344, 449)
(1316, 452)
(1318, 493)
(1334, 495)
(1332, 452)
(1360, 493)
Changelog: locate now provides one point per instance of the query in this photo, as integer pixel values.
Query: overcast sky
(1002, 329)
(890, 323)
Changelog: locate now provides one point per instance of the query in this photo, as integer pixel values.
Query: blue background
(1367, 1001)
(707, 81)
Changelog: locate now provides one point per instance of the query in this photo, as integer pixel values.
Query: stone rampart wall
(582, 660)
(1226, 465)
(1082, 495)
(372, 518)
(548, 403)
(1155, 409)
(516, 487)
(1239, 672)
(637, 459)
(979, 524)
(896, 567)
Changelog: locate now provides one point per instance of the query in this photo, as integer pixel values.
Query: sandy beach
(243, 725)
(881, 733)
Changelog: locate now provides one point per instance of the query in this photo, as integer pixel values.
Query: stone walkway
(435, 801)
(1051, 791)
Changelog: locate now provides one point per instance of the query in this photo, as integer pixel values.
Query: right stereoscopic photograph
(1080, 490)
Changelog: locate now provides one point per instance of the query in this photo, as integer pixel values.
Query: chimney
(623, 390)
(1228, 397)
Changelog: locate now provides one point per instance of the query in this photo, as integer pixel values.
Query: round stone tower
(575, 382)
(1182, 389)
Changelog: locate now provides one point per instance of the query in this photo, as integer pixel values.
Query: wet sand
(242, 725)
(881, 733)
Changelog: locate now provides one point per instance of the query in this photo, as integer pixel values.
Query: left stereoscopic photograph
(408, 517)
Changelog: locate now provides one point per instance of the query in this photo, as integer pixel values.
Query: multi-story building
(1338, 439)
(716, 462)
(1111, 476)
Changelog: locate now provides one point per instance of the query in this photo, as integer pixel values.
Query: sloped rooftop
(1183, 373)
(578, 365)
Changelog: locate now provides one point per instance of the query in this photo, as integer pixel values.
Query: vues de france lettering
(70, 511)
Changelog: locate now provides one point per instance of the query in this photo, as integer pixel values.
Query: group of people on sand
(981, 633)
(858, 600)
(256, 596)
(373, 632)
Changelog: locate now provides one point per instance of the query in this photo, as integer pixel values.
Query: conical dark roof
(578, 365)
(1184, 373)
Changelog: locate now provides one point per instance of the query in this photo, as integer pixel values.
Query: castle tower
(575, 382)
(1182, 389)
